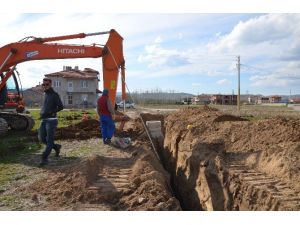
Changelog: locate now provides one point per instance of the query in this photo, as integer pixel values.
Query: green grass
(17, 143)
(9, 199)
(79, 152)
(65, 117)
(14, 148)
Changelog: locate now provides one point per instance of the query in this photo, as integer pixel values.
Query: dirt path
(90, 176)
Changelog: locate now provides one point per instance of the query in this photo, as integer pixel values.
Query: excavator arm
(40, 49)
(30, 49)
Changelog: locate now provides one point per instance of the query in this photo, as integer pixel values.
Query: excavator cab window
(10, 94)
(11, 85)
(3, 94)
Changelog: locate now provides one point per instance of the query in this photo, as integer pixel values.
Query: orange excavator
(31, 48)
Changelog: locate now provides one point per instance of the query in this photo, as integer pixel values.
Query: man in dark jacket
(52, 104)
(106, 111)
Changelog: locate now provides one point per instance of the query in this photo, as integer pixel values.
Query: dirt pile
(89, 128)
(220, 162)
(83, 130)
(137, 182)
(150, 187)
(130, 179)
(134, 128)
(64, 187)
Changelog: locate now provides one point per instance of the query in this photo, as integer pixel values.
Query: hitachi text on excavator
(31, 48)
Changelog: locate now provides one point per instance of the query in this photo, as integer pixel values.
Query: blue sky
(184, 52)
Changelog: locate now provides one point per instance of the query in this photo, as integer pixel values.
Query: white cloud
(267, 41)
(196, 84)
(223, 82)
(157, 57)
(179, 36)
(158, 40)
(275, 81)
(271, 28)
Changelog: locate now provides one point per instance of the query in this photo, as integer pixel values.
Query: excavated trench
(213, 162)
(223, 162)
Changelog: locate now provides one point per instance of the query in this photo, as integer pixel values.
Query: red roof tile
(87, 73)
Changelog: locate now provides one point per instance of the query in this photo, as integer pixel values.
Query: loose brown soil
(220, 162)
(83, 130)
(215, 161)
(92, 176)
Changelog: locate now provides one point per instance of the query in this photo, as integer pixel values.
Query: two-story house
(224, 99)
(77, 89)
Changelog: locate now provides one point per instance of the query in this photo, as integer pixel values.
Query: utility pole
(238, 65)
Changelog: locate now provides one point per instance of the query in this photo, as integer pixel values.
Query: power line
(257, 69)
(282, 75)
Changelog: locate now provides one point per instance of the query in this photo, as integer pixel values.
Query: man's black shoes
(57, 148)
(107, 141)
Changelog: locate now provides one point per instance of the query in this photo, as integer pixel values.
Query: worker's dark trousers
(46, 135)
(107, 127)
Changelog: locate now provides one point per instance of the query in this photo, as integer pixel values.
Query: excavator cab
(3, 95)
(10, 96)
(32, 48)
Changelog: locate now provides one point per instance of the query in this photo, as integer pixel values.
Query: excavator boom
(44, 48)
(39, 49)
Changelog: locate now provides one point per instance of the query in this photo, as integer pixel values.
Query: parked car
(128, 104)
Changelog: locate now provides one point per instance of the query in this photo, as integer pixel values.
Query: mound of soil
(207, 160)
(97, 183)
(90, 128)
(151, 189)
(62, 188)
(134, 128)
(83, 130)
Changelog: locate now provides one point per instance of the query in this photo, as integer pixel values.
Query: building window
(70, 99)
(57, 83)
(84, 97)
(84, 84)
(70, 86)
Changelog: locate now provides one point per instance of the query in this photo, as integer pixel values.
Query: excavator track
(3, 127)
(17, 121)
(260, 191)
(111, 182)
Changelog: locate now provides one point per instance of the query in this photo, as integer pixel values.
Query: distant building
(76, 88)
(294, 101)
(201, 99)
(251, 100)
(262, 100)
(268, 100)
(275, 99)
(223, 99)
(33, 97)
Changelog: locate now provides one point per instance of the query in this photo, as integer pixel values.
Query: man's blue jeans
(107, 127)
(46, 135)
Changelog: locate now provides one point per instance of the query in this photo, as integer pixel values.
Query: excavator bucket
(113, 61)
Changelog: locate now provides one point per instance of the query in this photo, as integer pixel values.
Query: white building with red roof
(77, 88)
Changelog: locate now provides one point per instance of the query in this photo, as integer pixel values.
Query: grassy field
(17, 148)
(65, 117)
(250, 111)
(16, 143)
